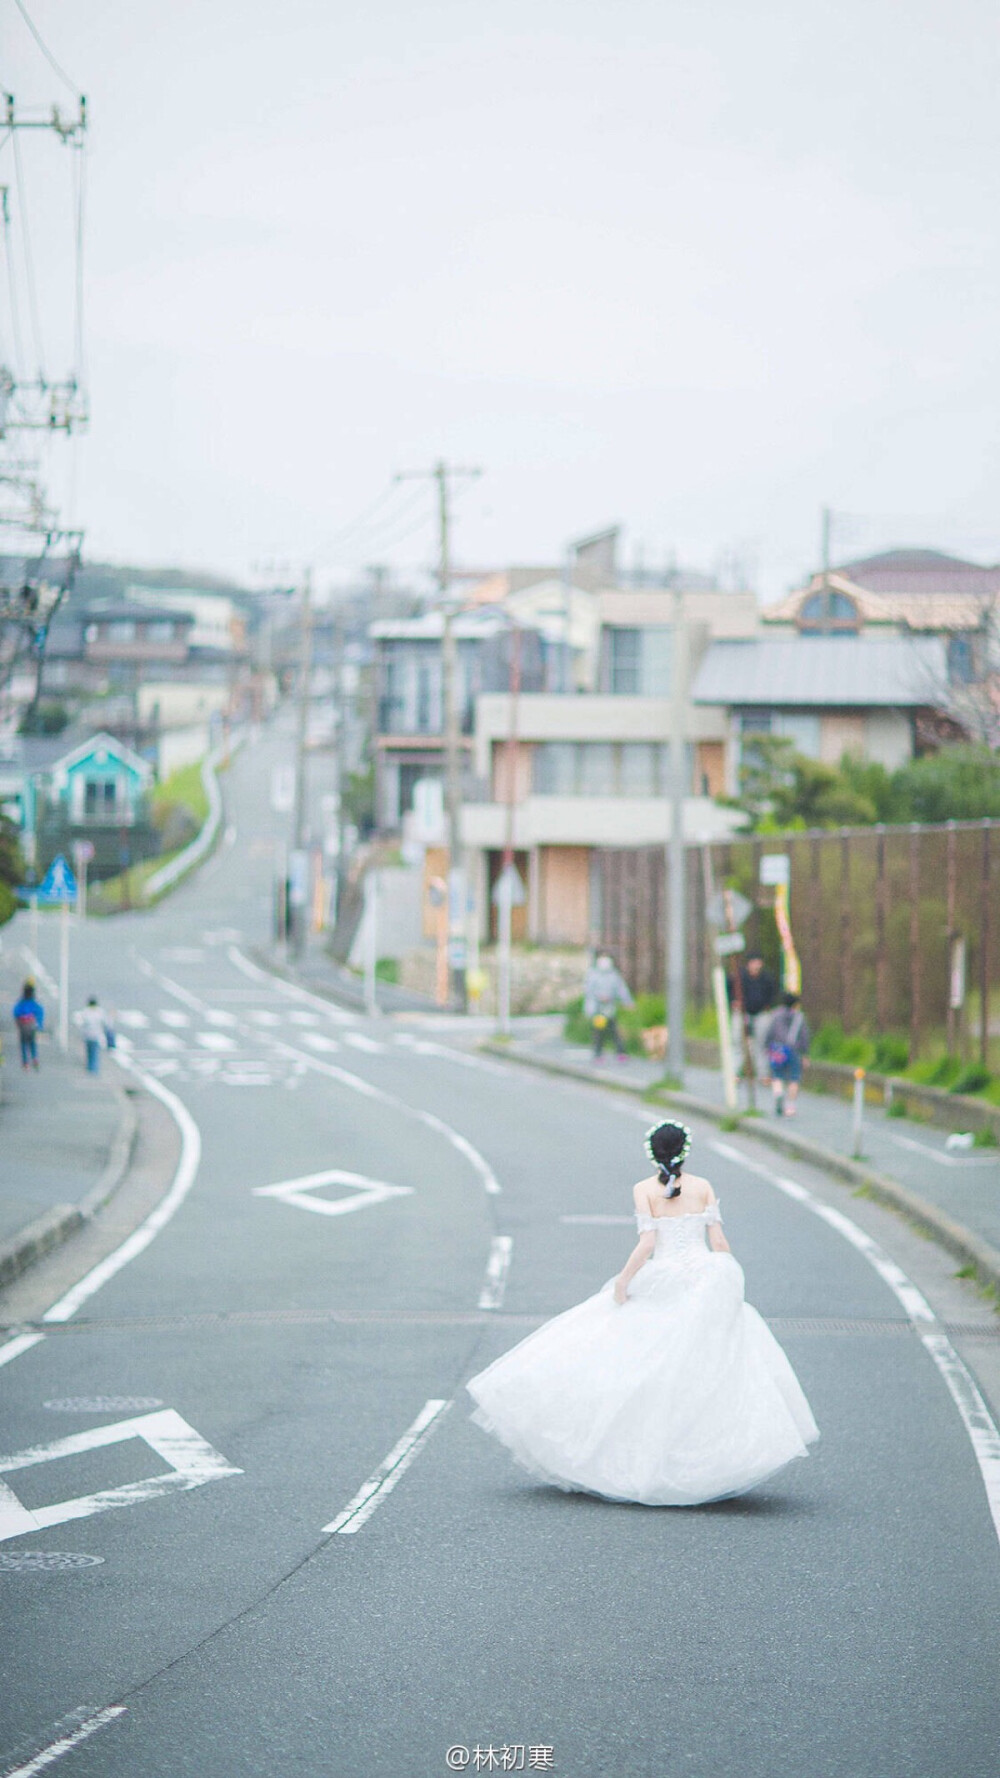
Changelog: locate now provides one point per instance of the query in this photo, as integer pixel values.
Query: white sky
(696, 267)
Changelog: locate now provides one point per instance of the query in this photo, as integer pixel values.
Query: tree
(783, 789)
(11, 869)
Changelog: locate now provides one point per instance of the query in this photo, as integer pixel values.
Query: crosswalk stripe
(316, 1040)
(135, 1020)
(165, 1040)
(170, 1016)
(297, 1017)
(220, 1018)
(261, 1017)
(215, 1040)
(359, 1041)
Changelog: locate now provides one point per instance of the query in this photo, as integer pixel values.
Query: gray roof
(921, 571)
(846, 672)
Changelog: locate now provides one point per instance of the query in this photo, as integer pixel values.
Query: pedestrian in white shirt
(93, 1029)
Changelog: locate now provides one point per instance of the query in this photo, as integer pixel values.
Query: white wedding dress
(680, 1395)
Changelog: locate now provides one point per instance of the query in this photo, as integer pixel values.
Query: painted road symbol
(364, 1192)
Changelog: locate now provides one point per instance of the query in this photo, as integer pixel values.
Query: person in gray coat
(604, 992)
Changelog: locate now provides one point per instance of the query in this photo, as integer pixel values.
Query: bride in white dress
(664, 1388)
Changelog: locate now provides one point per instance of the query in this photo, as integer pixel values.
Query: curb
(953, 1236)
(63, 1220)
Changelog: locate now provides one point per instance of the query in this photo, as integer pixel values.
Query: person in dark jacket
(760, 991)
(788, 1040)
(29, 1017)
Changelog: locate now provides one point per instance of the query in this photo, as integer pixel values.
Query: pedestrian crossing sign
(58, 883)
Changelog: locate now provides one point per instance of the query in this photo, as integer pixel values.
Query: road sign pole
(724, 1021)
(371, 942)
(64, 975)
(505, 911)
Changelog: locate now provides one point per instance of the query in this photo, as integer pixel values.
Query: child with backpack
(29, 1017)
(788, 1040)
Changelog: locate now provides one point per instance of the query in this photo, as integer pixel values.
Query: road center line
(976, 1417)
(66, 1742)
(497, 1266)
(371, 1494)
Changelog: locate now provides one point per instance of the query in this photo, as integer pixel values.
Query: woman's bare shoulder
(699, 1186)
(643, 1193)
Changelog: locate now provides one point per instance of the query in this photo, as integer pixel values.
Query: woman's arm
(635, 1262)
(716, 1239)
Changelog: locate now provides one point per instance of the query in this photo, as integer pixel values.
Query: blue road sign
(58, 883)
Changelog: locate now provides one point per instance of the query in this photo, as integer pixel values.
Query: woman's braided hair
(668, 1146)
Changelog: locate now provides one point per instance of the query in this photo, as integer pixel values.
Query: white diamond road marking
(299, 1192)
(170, 1016)
(359, 1041)
(166, 1040)
(135, 1020)
(316, 1040)
(215, 1040)
(192, 1463)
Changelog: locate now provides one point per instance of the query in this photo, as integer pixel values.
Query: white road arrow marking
(365, 1192)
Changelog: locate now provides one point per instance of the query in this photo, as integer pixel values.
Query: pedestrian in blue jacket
(29, 1017)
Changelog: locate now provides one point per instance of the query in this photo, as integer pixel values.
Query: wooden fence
(883, 917)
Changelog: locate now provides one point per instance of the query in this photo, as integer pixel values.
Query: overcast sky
(698, 267)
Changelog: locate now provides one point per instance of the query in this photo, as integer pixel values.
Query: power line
(47, 53)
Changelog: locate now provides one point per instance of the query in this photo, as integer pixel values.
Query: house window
(160, 632)
(122, 631)
(596, 769)
(829, 611)
(961, 659)
(554, 768)
(100, 799)
(624, 662)
(637, 769)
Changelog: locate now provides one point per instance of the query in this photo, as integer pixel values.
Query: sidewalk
(964, 1187)
(65, 1139)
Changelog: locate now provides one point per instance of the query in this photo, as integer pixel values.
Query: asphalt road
(840, 1622)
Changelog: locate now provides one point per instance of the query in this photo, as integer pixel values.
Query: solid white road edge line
(20, 1343)
(371, 1494)
(976, 1417)
(56, 1749)
(290, 989)
(140, 1238)
(497, 1267)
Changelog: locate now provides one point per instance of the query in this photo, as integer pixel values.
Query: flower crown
(684, 1151)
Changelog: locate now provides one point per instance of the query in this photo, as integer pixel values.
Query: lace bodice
(680, 1247)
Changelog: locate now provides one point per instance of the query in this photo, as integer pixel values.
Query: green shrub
(985, 1138)
(826, 1043)
(973, 1078)
(387, 970)
(896, 1108)
(576, 1027)
(892, 1054)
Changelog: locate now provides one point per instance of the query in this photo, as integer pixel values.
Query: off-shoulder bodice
(659, 1223)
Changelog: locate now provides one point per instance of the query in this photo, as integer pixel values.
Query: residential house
(571, 763)
(97, 790)
(869, 658)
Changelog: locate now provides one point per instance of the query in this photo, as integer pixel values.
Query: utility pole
(675, 846)
(443, 474)
(299, 865)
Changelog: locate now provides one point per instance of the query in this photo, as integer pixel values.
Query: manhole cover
(44, 1561)
(103, 1404)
